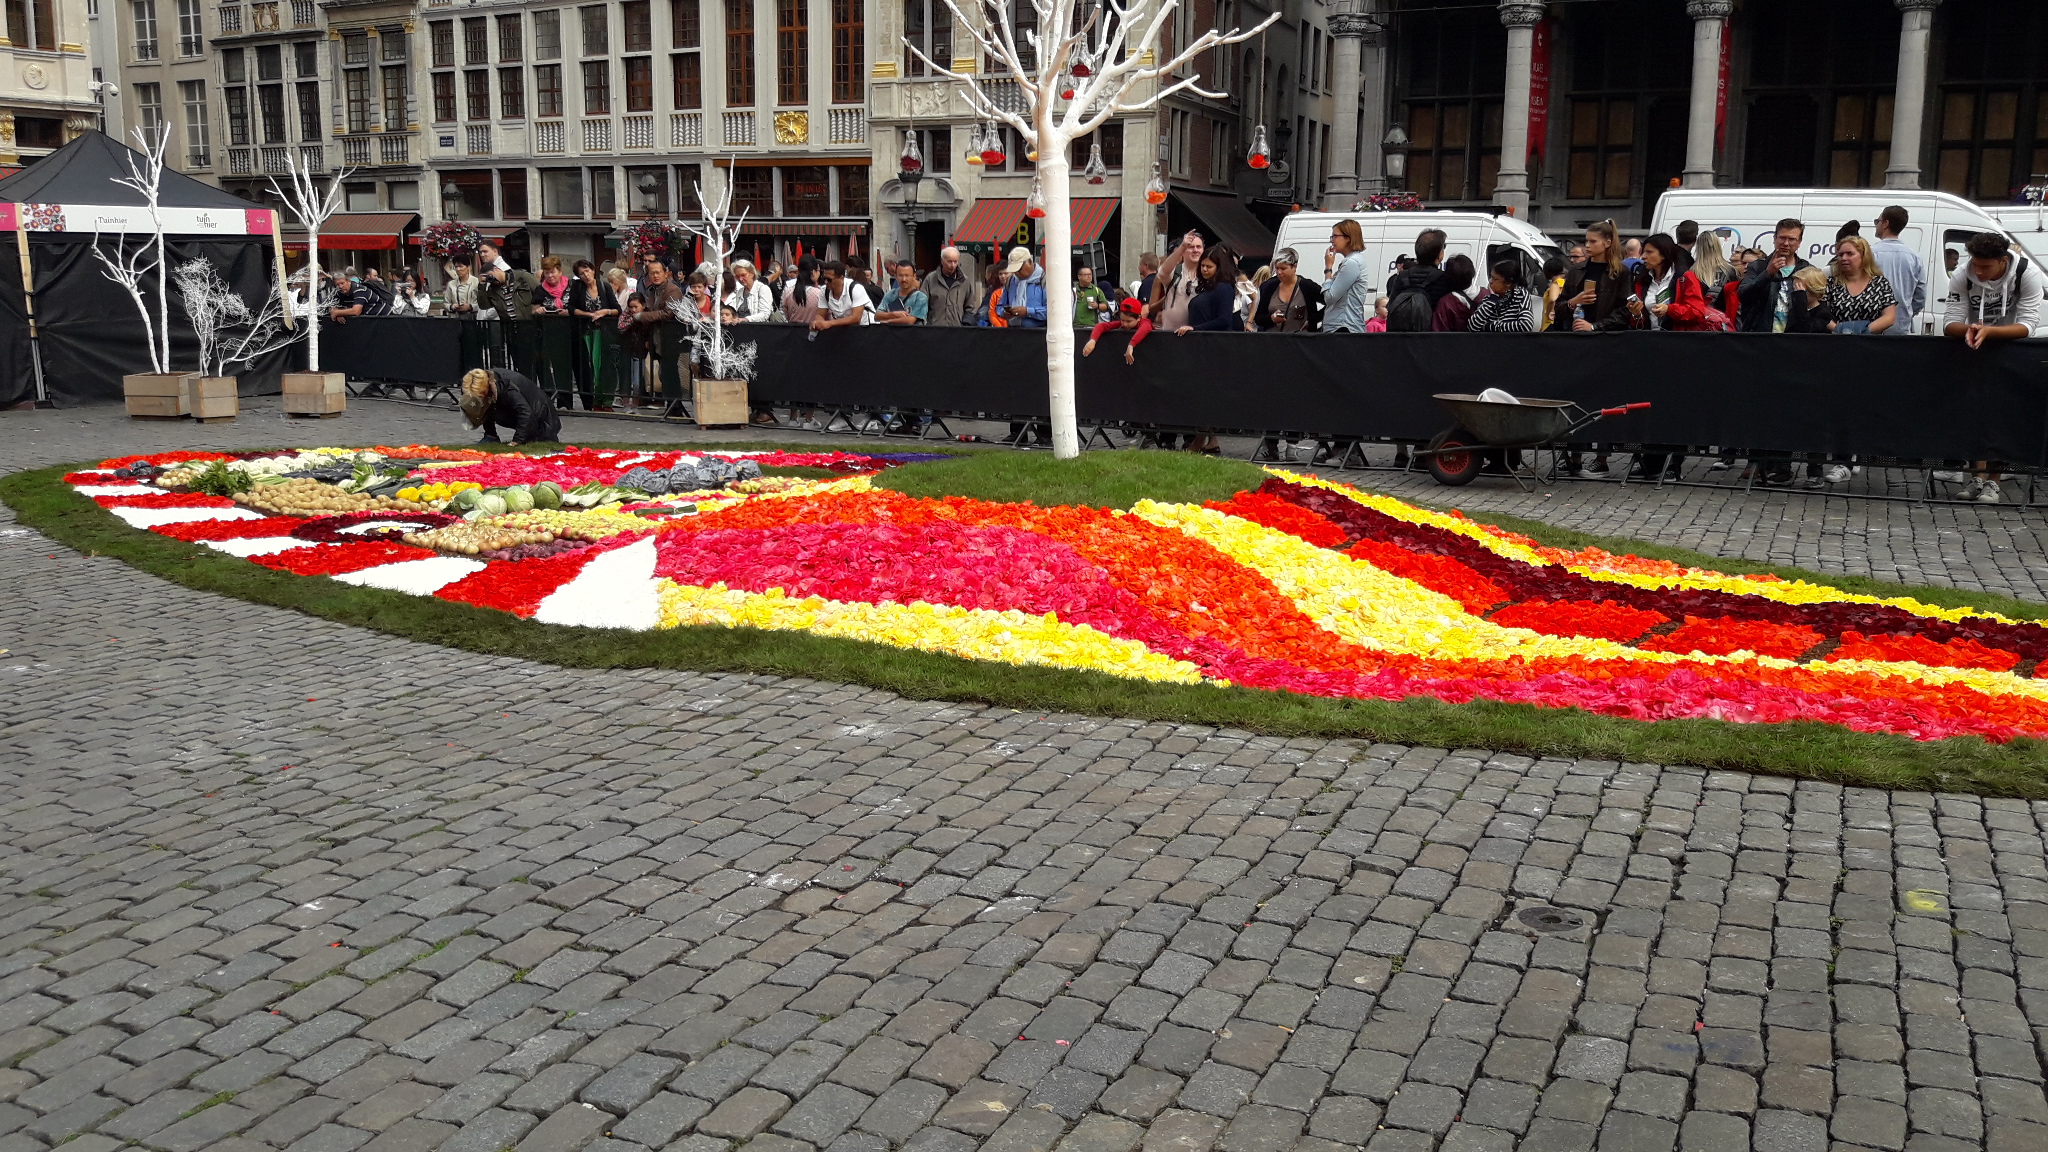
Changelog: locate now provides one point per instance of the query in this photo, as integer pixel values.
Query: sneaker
(1953, 477)
(1813, 480)
(873, 427)
(1597, 468)
(1836, 473)
(812, 425)
(1985, 492)
(1720, 465)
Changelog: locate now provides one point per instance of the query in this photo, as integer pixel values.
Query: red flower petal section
(335, 559)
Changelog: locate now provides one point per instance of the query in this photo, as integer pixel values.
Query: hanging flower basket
(449, 239)
(651, 240)
(1390, 202)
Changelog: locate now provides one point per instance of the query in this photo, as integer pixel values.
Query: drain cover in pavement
(1550, 920)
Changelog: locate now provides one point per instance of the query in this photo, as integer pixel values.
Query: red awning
(989, 222)
(357, 232)
(805, 228)
(1089, 215)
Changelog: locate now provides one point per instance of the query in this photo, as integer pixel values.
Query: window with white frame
(197, 148)
(145, 29)
(33, 24)
(191, 29)
(149, 106)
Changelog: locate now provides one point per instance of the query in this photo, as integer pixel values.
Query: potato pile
(472, 539)
(304, 497)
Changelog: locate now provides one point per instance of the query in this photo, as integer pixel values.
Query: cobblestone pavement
(271, 882)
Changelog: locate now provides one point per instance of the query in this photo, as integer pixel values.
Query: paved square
(270, 882)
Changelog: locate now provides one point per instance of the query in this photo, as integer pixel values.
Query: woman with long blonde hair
(1860, 297)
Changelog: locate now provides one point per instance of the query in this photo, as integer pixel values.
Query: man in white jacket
(1995, 296)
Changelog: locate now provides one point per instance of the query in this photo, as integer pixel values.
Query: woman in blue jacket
(1214, 307)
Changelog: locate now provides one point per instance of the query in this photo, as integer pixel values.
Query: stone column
(1350, 29)
(1909, 103)
(1511, 189)
(1709, 24)
(1373, 91)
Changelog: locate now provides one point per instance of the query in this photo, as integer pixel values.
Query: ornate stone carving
(928, 101)
(1521, 13)
(1710, 9)
(35, 76)
(1917, 5)
(1343, 24)
(78, 124)
(792, 128)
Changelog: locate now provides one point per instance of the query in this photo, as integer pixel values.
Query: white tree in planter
(720, 232)
(131, 269)
(312, 207)
(1089, 63)
(229, 331)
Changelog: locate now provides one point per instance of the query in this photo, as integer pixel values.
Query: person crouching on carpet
(494, 396)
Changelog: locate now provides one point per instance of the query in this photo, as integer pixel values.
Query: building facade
(1617, 100)
(47, 95)
(575, 121)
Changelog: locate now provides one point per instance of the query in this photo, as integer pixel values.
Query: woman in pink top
(554, 284)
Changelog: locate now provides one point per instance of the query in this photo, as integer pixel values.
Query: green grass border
(42, 501)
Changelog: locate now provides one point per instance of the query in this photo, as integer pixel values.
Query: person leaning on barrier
(949, 292)
(1996, 296)
(494, 396)
(905, 303)
(1507, 306)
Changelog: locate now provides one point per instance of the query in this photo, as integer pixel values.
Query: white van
(2028, 224)
(1937, 223)
(1485, 237)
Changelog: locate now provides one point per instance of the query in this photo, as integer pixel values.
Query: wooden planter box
(315, 393)
(719, 402)
(215, 398)
(155, 396)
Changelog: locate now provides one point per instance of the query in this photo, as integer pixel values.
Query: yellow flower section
(1369, 606)
(1783, 591)
(1982, 679)
(1009, 637)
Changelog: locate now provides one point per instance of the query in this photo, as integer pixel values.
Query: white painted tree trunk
(1057, 229)
(163, 294)
(312, 299)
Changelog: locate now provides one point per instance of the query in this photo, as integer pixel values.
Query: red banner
(1539, 92)
(1721, 88)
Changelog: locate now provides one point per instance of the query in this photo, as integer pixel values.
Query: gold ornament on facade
(792, 127)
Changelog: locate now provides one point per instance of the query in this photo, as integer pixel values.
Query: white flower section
(419, 577)
(248, 546)
(616, 590)
(113, 489)
(151, 517)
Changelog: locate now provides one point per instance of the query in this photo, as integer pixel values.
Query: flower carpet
(1302, 586)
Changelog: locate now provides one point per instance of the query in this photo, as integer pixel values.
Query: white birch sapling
(229, 331)
(1110, 38)
(720, 231)
(131, 269)
(312, 207)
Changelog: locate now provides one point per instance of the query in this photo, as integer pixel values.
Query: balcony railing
(394, 149)
(276, 161)
(597, 135)
(263, 17)
(313, 157)
(302, 13)
(477, 139)
(241, 162)
(739, 127)
(1004, 94)
(549, 136)
(355, 151)
(847, 126)
(686, 130)
(230, 19)
(637, 131)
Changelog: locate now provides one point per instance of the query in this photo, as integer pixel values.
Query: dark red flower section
(332, 529)
(1544, 583)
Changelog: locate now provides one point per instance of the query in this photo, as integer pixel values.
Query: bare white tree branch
(129, 269)
(146, 176)
(720, 231)
(312, 207)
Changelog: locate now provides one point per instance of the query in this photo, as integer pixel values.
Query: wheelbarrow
(1455, 455)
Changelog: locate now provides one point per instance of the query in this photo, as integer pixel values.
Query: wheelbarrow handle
(1625, 408)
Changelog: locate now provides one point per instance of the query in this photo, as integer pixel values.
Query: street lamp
(1395, 145)
(450, 196)
(647, 185)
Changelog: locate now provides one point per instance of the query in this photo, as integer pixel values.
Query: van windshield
(1545, 251)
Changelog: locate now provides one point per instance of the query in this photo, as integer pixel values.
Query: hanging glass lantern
(1260, 156)
(974, 145)
(1155, 188)
(911, 160)
(992, 145)
(1035, 206)
(1067, 87)
(1081, 68)
(1096, 172)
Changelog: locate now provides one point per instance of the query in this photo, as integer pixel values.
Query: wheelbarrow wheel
(1454, 457)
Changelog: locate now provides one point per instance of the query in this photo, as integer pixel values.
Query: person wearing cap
(494, 396)
(1131, 318)
(1024, 290)
(1288, 303)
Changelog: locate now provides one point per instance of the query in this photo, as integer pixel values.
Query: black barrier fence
(1897, 397)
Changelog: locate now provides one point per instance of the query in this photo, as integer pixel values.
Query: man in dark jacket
(494, 396)
(949, 292)
(1771, 302)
